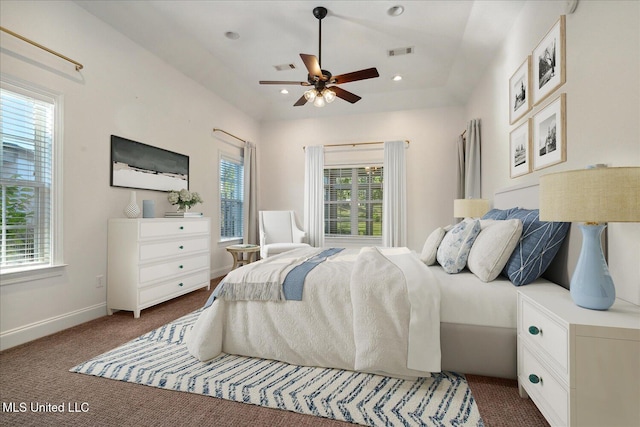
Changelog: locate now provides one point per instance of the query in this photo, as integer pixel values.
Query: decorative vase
(132, 210)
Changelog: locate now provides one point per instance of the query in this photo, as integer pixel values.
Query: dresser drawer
(172, 268)
(182, 246)
(548, 393)
(176, 286)
(174, 227)
(541, 331)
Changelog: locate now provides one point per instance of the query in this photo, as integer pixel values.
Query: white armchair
(279, 233)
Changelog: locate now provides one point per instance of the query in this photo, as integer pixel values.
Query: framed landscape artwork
(548, 62)
(519, 91)
(520, 150)
(549, 145)
(137, 165)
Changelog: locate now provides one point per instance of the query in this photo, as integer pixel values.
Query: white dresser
(580, 367)
(152, 260)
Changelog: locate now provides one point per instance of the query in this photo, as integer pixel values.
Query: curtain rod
(353, 144)
(230, 134)
(78, 65)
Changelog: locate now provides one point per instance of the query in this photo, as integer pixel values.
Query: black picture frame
(145, 167)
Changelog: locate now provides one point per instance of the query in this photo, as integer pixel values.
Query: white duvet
(372, 310)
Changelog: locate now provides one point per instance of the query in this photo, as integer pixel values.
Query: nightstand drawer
(546, 391)
(172, 268)
(541, 331)
(149, 251)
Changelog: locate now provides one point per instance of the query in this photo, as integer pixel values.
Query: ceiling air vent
(284, 67)
(400, 51)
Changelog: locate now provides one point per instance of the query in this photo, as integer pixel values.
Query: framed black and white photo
(549, 125)
(137, 165)
(548, 63)
(519, 91)
(520, 150)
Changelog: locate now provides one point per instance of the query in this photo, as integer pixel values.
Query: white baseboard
(32, 331)
(219, 272)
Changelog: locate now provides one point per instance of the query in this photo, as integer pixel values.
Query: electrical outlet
(99, 281)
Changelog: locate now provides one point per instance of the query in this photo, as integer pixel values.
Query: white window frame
(26, 273)
(238, 160)
(349, 239)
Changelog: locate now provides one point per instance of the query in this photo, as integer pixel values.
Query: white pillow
(430, 248)
(493, 247)
(455, 247)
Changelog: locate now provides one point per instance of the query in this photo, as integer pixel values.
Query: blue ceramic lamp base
(591, 284)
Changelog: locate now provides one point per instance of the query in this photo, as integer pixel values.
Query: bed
(377, 310)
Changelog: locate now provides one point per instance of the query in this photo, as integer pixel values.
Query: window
(353, 201)
(231, 198)
(27, 192)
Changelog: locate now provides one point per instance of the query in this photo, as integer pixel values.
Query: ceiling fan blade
(312, 64)
(278, 82)
(301, 101)
(346, 95)
(368, 73)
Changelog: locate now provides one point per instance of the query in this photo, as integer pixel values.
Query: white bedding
(467, 300)
(385, 321)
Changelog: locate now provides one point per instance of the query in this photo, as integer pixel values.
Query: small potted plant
(184, 199)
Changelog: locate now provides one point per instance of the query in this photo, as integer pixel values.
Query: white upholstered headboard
(526, 196)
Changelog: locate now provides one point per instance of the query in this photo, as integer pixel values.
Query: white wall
(603, 106)
(431, 160)
(122, 90)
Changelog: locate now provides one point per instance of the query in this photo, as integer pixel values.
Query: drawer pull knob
(180, 284)
(181, 227)
(181, 266)
(534, 379)
(533, 330)
(181, 247)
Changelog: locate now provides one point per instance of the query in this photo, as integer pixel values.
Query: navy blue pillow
(495, 214)
(538, 245)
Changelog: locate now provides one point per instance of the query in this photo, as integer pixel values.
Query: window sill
(21, 275)
(354, 241)
(230, 241)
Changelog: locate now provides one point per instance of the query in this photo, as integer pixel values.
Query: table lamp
(593, 196)
(470, 208)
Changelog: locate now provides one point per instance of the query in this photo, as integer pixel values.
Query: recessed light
(395, 10)
(396, 78)
(232, 35)
(284, 91)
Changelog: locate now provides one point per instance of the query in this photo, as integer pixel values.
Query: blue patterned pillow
(495, 214)
(537, 247)
(456, 245)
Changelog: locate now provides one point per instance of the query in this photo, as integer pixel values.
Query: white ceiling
(453, 41)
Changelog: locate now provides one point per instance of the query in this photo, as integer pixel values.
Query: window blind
(353, 201)
(26, 128)
(231, 198)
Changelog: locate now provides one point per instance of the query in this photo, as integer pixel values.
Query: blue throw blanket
(290, 289)
(294, 282)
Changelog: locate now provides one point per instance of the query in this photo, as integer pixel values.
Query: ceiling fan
(322, 81)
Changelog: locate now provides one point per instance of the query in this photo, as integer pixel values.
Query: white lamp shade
(591, 195)
(470, 208)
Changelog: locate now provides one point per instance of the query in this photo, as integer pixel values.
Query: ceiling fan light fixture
(396, 78)
(319, 102)
(284, 91)
(329, 96)
(310, 95)
(395, 10)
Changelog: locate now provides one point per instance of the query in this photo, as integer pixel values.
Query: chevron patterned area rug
(160, 359)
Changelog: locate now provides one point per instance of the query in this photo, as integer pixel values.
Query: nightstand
(237, 251)
(580, 367)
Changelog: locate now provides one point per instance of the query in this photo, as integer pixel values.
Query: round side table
(237, 252)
